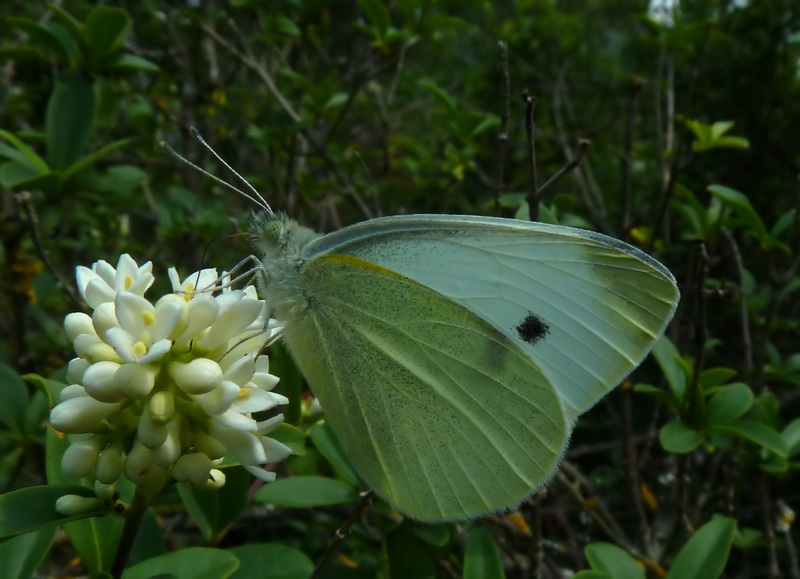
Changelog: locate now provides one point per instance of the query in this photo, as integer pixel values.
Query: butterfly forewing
(439, 411)
(584, 307)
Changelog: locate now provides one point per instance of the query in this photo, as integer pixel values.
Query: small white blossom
(176, 381)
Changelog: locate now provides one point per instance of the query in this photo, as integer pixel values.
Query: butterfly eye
(274, 232)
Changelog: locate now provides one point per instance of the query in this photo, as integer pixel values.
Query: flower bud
(151, 482)
(98, 380)
(169, 451)
(192, 469)
(71, 505)
(216, 480)
(104, 318)
(208, 445)
(150, 434)
(162, 407)
(75, 370)
(109, 465)
(93, 349)
(78, 323)
(137, 462)
(135, 381)
(80, 414)
(199, 376)
(103, 491)
(80, 458)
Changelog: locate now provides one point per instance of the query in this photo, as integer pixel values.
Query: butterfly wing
(586, 308)
(441, 414)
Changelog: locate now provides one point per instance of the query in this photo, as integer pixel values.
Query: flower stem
(134, 515)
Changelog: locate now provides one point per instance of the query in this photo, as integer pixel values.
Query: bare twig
(627, 155)
(768, 523)
(533, 181)
(632, 467)
(502, 137)
(23, 200)
(342, 532)
(574, 163)
(747, 344)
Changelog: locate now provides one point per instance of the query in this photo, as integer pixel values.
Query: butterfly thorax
(281, 243)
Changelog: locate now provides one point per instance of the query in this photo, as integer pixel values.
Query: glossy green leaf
(130, 62)
(756, 432)
(292, 437)
(105, 30)
(715, 377)
(273, 561)
(328, 445)
(482, 557)
(667, 357)
(678, 437)
(742, 207)
(436, 535)
(70, 119)
(613, 560)
(15, 399)
(591, 574)
(194, 562)
(35, 163)
(791, 436)
(52, 388)
(662, 395)
(705, 554)
(33, 508)
(214, 510)
(22, 555)
(729, 403)
(92, 158)
(377, 13)
(306, 491)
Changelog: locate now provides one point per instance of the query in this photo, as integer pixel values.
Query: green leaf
(73, 26)
(15, 399)
(662, 395)
(194, 562)
(742, 207)
(791, 436)
(105, 30)
(440, 95)
(32, 160)
(705, 554)
(729, 403)
(306, 491)
(130, 62)
(592, 575)
(87, 161)
(761, 434)
(271, 560)
(292, 437)
(436, 535)
(23, 555)
(214, 510)
(482, 558)
(377, 13)
(678, 437)
(667, 357)
(613, 560)
(51, 388)
(328, 445)
(33, 508)
(715, 376)
(70, 119)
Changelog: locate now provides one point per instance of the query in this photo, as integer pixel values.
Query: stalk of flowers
(166, 389)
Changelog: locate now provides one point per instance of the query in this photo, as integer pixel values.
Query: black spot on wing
(532, 329)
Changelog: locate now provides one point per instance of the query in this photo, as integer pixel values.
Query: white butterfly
(452, 355)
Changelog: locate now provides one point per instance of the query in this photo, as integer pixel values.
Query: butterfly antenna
(257, 200)
(261, 201)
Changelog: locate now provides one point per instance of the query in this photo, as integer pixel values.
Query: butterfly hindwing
(439, 412)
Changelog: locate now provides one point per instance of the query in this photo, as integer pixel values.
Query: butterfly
(452, 355)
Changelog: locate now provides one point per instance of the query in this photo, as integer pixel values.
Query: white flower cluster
(166, 389)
